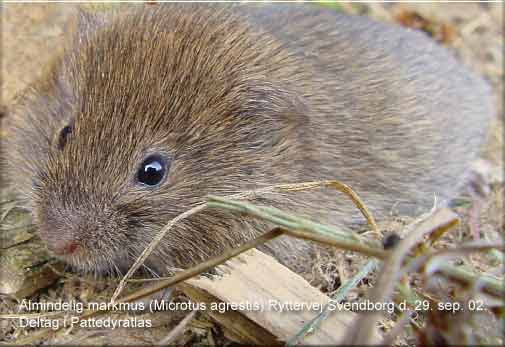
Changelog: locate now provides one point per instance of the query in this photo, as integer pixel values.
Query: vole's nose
(57, 241)
(63, 246)
(71, 230)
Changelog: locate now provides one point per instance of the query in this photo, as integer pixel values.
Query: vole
(151, 109)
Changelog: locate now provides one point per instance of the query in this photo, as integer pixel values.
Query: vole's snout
(59, 237)
(59, 240)
(78, 231)
(64, 246)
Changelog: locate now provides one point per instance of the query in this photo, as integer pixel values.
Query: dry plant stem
(6, 210)
(341, 187)
(329, 241)
(418, 262)
(202, 267)
(344, 244)
(408, 294)
(152, 246)
(177, 278)
(285, 220)
(436, 222)
(337, 297)
(487, 284)
(357, 201)
(244, 196)
(177, 331)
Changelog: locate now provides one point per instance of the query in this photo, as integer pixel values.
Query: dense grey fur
(239, 98)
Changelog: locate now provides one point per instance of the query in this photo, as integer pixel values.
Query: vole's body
(236, 98)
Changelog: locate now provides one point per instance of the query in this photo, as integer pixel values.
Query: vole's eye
(152, 170)
(64, 133)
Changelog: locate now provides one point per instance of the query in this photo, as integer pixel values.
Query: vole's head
(146, 114)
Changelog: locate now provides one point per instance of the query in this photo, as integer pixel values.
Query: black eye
(152, 170)
(64, 133)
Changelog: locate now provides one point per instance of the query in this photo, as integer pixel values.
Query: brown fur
(239, 98)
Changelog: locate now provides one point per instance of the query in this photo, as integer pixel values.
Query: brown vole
(151, 109)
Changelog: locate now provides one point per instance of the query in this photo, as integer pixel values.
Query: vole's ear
(277, 113)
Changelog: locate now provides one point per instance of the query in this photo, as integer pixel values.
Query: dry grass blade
(202, 267)
(7, 207)
(489, 285)
(357, 201)
(140, 260)
(464, 249)
(435, 261)
(339, 296)
(439, 220)
(341, 187)
(340, 243)
(247, 195)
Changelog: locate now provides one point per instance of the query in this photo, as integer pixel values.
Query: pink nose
(62, 247)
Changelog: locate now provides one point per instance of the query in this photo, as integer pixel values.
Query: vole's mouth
(97, 263)
(89, 249)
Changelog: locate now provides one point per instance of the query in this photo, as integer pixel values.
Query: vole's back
(394, 115)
